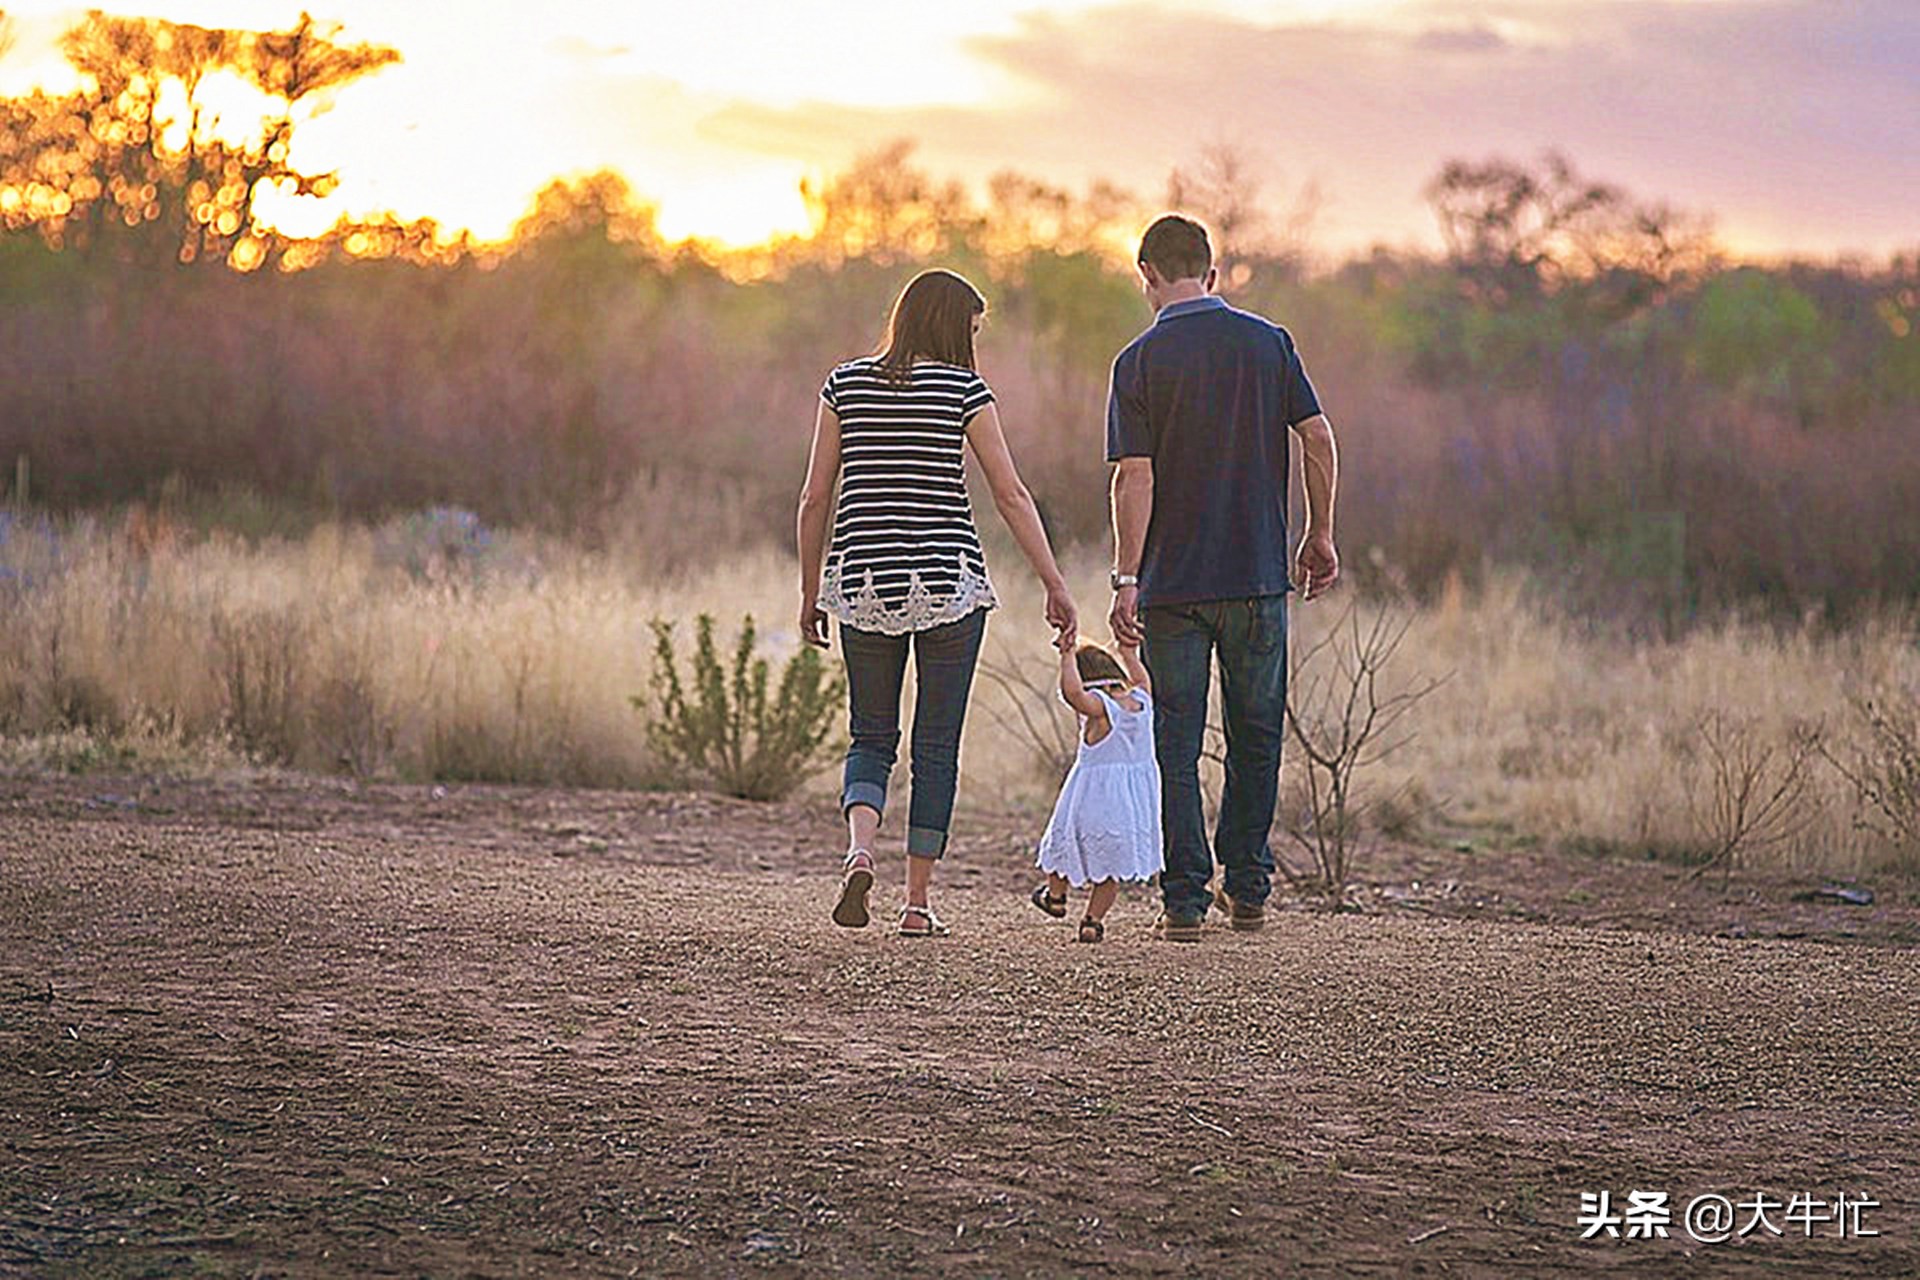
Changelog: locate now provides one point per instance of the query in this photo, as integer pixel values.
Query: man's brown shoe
(1178, 928)
(1241, 916)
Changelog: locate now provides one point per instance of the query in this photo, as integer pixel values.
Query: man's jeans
(1251, 639)
(943, 662)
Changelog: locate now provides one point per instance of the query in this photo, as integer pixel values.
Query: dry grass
(1552, 730)
(346, 652)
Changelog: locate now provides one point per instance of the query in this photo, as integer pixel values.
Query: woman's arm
(816, 495)
(1016, 506)
(1072, 691)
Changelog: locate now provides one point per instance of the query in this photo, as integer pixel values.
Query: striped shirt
(905, 555)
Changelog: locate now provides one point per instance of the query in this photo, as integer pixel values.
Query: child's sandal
(1092, 930)
(1055, 907)
(931, 926)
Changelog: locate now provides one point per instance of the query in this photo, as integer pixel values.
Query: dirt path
(302, 1029)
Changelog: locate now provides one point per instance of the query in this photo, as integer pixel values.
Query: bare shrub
(1757, 791)
(71, 696)
(1884, 772)
(724, 730)
(1342, 721)
(467, 750)
(511, 736)
(1402, 813)
(348, 725)
(1034, 717)
(13, 705)
(258, 657)
(79, 701)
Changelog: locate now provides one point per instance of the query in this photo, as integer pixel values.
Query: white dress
(1106, 824)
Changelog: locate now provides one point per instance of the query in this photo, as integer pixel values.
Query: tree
(1026, 216)
(1755, 334)
(1514, 231)
(888, 212)
(1223, 190)
(143, 162)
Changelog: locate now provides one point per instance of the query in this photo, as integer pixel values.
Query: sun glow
(716, 112)
(480, 115)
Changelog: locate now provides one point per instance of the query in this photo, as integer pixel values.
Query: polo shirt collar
(1191, 306)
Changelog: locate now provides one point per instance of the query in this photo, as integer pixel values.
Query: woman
(905, 571)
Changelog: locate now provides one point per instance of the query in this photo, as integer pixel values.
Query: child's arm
(1072, 691)
(1136, 669)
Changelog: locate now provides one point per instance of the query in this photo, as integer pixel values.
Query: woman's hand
(1061, 615)
(813, 622)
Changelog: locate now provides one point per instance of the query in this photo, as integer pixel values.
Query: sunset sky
(1793, 122)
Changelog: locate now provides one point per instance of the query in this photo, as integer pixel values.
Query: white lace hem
(921, 611)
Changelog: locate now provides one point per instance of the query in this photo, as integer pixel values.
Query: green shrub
(724, 731)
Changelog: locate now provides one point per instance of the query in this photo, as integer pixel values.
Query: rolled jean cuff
(871, 794)
(925, 842)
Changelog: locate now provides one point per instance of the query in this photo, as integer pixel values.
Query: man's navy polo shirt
(1209, 393)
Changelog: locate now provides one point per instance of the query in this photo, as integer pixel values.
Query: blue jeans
(1251, 638)
(943, 662)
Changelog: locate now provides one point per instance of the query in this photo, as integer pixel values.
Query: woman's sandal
(1055, 907)
(1092, 930)
(851, 911)
(931, 926)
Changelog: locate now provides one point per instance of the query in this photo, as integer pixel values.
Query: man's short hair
(1177, 248)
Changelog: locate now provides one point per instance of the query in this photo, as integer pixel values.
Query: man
(1197, 422)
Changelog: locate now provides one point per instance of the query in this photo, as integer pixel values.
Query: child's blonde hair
(1097, 665)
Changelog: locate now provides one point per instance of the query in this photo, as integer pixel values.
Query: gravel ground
(295, 1027)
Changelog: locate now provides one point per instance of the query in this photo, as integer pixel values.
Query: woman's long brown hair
(932, 320)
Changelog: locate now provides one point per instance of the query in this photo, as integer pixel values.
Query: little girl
(1106, 824)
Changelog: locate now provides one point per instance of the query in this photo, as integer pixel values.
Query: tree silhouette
(886, 211)
(146, 160)
(1513, 231)
(597, 210)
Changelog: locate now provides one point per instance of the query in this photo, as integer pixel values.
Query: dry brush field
(433, 649)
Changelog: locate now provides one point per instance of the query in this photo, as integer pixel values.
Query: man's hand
(1317, 565)
(813, 622)
(1124, 617)
(1061, 615)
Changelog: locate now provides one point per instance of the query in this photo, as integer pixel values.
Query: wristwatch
(1117, 579)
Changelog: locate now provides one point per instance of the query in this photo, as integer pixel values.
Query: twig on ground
(1205, 1123)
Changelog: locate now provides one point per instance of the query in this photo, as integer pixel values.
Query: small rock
(1845, 894)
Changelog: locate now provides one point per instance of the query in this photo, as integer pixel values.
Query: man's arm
(1132, 512)
(1317, 564)
(1136, 669)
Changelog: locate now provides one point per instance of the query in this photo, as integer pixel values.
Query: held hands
(1062, 616)
(1124, 618)
(1316, 566)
